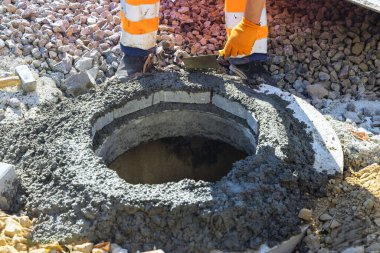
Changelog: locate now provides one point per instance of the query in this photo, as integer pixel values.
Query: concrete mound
(61, 159)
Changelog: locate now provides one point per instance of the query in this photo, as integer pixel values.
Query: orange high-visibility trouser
(139, 21)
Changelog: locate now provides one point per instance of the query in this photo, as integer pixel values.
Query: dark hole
(175, 158)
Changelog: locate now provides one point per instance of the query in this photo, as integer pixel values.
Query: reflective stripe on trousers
(139, 21)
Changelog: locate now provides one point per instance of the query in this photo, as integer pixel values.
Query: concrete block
(7, 185)
(229, 106)
(252, 122)
(185, 97)
(133, 106)
(157, 97)
(27, 79)
(104, 121)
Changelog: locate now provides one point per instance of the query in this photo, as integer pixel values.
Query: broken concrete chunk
(27, 79)
(78, 84)
(7, 185)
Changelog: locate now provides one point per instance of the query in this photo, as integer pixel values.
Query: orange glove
(242, 39)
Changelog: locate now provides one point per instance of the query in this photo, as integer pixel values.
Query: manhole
(169, 140)
(289, 152)
(175, 158)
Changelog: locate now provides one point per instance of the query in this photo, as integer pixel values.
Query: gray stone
(358, 249)
(352, 116)
(7, 185)
(343, 73)
(305, 214)
(377, 221)
(376, 121)
(290, 77)
(374, 247)
(325, 217)
(27, 79)
(313, 243)
(358, 48)
(2, 114)
(351, 107)
(36, 53)
(77, 84)
(317, 90)
(64, 66)
(323, 76)
(2, 43)
(335, 224)
(298, 85)
(57, 77)
(83, 64)
(92, 73)
(14, 103)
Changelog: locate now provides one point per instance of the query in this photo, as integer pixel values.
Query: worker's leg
(234, 11)
(139, 23)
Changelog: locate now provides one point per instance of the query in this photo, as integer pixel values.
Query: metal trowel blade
(201, 62)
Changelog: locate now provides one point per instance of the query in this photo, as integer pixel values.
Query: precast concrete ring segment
(62, 160)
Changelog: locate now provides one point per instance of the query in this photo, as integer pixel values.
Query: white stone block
(133, 106)
(27, 78)
(7, 184)
(157, 97)
(229, 106)
(185, 97)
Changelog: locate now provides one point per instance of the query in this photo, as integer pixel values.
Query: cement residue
(75, 196)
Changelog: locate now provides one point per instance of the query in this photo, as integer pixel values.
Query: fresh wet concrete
(75, 196)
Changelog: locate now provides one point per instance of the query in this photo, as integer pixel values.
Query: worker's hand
(242, 38)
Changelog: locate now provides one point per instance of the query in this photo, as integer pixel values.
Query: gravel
(333, 44)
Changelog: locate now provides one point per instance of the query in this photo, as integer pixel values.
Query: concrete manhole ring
(292, 152)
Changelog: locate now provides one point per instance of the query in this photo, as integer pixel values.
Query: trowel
(202, 62)
(214, 62)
